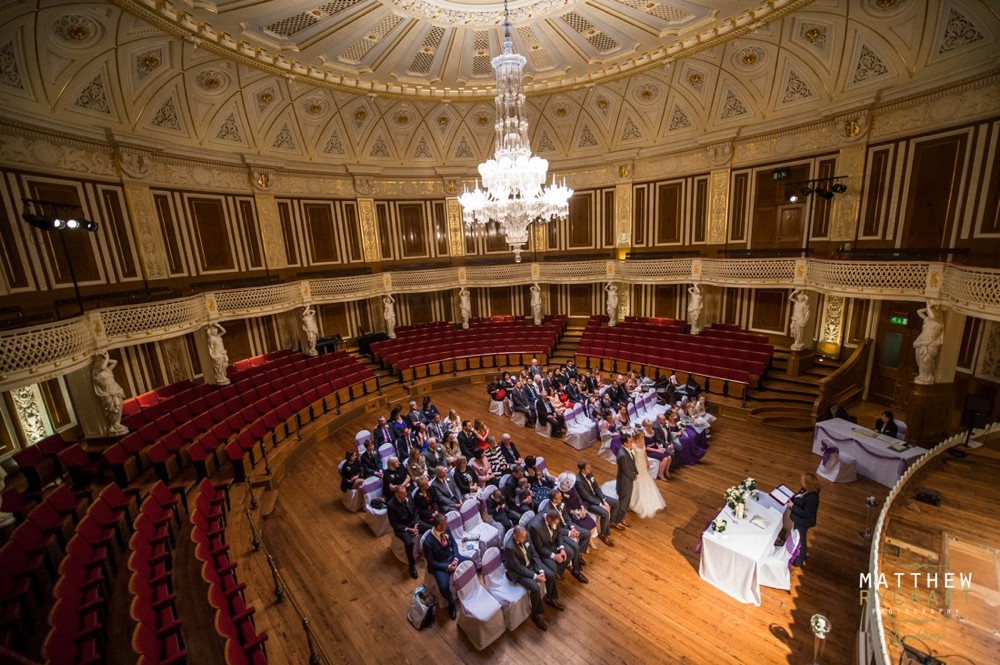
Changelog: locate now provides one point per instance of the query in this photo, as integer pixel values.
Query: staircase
(785, 402)
(566, 348)
(391, 387)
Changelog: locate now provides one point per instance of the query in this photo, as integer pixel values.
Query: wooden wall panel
(933, 189)
(288, 234)
(320, 233)
(82, 247)
(169, 231)
(640, 213)
(776, 223)
(382, 225)
(667, 299)
(412, 235)
(821, 207)
(213, 243)
(669, 198)
(876, 192)
(738, 204)
(237, 340)
(13, 257)
(352, 230)
(117, 230)
(969, 344)
(250, 233)
(857, 324)
(700, 210)
(581, 222)
(989, 217)
(770, 310)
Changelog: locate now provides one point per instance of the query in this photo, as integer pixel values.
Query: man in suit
(441, 552)
(549, 538)
(414, 416)
(522, 404)
(627, 475)
(575, 538)
(665, 437)
(546, 414)
(571, 371)
(534, 370)
(434, 455)
(573, 391)
(435, 428)
(405, 523)
(618, 393)
(407, 439)
(383, 433)
(525, 568)
(595, 501)
(467, 440)
(444, 491)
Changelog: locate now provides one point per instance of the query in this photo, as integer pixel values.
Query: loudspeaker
(975, 412)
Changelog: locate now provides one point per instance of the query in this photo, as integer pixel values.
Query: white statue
(928, 343)
(311, 330)
(389, 314)
(464, 307)
(110, 393)
(217, 351)
(612, 308)
(6, 519)
(800, 317)
(536, 304)
(694, 309)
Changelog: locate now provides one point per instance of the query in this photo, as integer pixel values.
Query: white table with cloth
(729, 560)
(880, 457)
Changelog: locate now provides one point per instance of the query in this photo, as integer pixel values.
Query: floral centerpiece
(719, 525)
(749, 484)
(738, 495)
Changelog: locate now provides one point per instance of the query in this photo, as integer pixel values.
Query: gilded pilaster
(270, 231)
(369, 234)
(538, 237)
(718, 207)
(176, 359)
(623, 214)
(145, 225)
(456, 233)
(846, 206)
(831, 326)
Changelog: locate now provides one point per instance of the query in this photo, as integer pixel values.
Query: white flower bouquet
(736, 495)
(719, 525)
(749, 484)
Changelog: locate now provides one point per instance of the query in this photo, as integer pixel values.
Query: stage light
(57, 223)
(807, 191)
(792, 197)
(90, 226)
(72, 223)
(825, 193)
(838, 188)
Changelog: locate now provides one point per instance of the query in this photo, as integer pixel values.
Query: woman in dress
(350, 473)
(415, 465)
(465, 478)
(622, 418)
(424, 502)
(655, 451)
(541, 486)
(453, 423)
(646, 497)
(574, 503)
(481, 431)
(483, 469)
(450, 448)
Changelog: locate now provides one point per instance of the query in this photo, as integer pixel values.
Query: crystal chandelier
(515, 193)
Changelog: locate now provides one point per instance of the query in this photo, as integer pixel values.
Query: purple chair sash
(465, 578)
(829, 450)
(491, 564)
(903, 463)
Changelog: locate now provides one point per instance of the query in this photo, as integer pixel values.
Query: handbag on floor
(422, 608)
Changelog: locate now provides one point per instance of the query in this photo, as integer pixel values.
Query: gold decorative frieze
(270, 231)
(846, 206)
(369, 235)
(456, 230)
(718, 207)
(623, 214)
(152, 252)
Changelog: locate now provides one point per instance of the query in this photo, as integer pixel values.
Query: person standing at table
(800, 514)
(886, 425)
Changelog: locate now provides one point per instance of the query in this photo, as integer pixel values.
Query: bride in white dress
(646, 497)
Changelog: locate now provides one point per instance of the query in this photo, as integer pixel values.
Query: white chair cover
(496, 407)
(526, 519)
(540, 464)
(609, 488)
(605, 451)
(375, 518)
(513, 598)
(836, 466)
(472, 522)
(773, 570)
(455, 523)
(360, 438)
(399, 550)
(901, 430)
(518, 418)
(354, 500)
(580, 431)
(385, 451)
(543, 507)
(480, 615)
(543, 428)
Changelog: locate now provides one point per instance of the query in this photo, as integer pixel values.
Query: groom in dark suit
(627, 475)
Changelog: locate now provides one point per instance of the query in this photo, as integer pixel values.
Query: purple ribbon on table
(903, 463)
(829, 450)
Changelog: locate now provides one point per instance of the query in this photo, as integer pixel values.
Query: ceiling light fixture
(515, 194)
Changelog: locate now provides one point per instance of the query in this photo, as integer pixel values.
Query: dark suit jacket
(379, 436)
(572, 372)
(371, 464)
(510, 453)
(434, 460)
(662, 435)
(589, 490)
(547, 544)
(514, 562)
(468, 444)
(618, 394)
(519, 399)
(627, 474)
(415, 417)
(464, 480)
(573, 392)
(445, 494)
(439, 556)
(544, 409)
(397, 477)
(401, 514)
(889, 429)
(804, 509)
(436, 430)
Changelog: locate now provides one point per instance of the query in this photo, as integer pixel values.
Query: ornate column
(146, 226)
(831, 326)
(927, 415)
(623, 208)
(86, 406)
(456, 230)
(851, 163)
(718, 207)
(176, 358)
(271, 237)
(369, 231)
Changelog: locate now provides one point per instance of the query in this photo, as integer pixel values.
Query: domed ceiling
(407, 84)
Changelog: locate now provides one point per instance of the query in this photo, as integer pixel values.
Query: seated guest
(505, 381)
(467, 440)
(405, 442)
(394, 476)
(496, 509)
(595, 502)
(405, 523)
(618, 392)
(482, 468)
(498, 463)
(571, 371)
(521, 404)
(550, 539)
(481, 430)
(452, 423)
(525, 568)
(570, 520)
(547, 414)
(524, 499)
(656, 451)
(371, 461)
(384, 433)
(886, 425)
(415, 465)
(701, 410)
(351, 473)
(590, 383)
(690, 416)
(535, 369)
(414, 416)
(441, 552)
(558, 400)
(531, 394)
(465, 479)
(450, 447)
(434, 456)
(510, 488)
(509, 451)
(541, 485)
(497, 392)
(446, 494)
(397, 420)
(435, 428)
(666, 436)
(429, 409)
(573, 391)
(423, 499)
(622, 419)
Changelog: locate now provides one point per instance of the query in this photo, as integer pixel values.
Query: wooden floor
(645, 602)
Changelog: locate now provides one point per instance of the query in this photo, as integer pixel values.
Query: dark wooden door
(895, 364)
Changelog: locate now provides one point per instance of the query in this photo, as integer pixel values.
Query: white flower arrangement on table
(736, 495)
(749, 484)
(719, 525)
(871, 502)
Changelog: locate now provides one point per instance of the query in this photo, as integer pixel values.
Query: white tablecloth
(875, 459)
(729, 560)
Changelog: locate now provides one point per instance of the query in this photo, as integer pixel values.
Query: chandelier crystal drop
(513, 193)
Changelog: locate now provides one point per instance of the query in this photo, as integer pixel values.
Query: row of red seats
(153, 397)
(735, 335)
(751, 362)
(259, 361)
(652, 333)
(657, 321)
(40, 464)
(82, 586)
(233, 618)
(499, 338)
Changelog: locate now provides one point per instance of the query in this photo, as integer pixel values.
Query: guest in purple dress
(655, 451)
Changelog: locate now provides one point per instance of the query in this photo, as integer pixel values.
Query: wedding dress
(646, 497)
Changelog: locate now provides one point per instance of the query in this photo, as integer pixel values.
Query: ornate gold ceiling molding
(164, 15)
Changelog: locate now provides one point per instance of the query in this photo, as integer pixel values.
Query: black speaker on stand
(975, 413)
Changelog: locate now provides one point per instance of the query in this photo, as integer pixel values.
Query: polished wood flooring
(645, 602)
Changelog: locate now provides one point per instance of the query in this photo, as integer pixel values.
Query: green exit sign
(780, 174)
(898, 320)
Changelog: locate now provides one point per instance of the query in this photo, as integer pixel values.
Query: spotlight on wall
(824, 193)
(807, 191)
(793, 197)
(838, 188)
(55, 216)
(825, 188)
